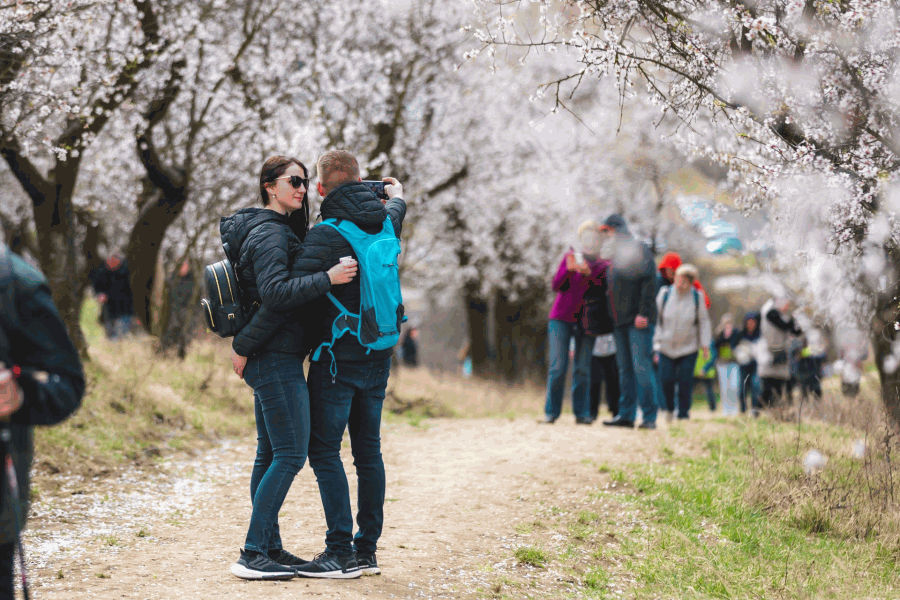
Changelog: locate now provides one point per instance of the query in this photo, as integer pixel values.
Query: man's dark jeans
(353, 399)
(281, 401)
(678, 371)
(637, 379)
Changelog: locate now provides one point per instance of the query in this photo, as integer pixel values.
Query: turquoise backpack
(377, 326)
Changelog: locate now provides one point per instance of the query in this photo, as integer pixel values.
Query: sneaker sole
(331, 574)
(245, 573)
(371, 571)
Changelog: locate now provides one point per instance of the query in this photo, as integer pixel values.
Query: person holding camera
(347, 386)
(41, 383)
(581, 274)
(268, 352)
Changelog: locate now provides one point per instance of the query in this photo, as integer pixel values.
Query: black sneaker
(253, 565)
(283, 557)
(331, 566)
(367, 564)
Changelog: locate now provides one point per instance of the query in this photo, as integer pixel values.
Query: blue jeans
(637, 380)
(281, 403)
(678, 371)
(354, 399)
(558, 335)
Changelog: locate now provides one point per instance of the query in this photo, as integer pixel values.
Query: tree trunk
(54, 220)
(144, 244)
(884, 333)
(477, 322)
(506, 317)
(520, 337)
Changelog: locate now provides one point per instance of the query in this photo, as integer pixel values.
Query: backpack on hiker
(377, 325)
(224, 309)
(662, 308)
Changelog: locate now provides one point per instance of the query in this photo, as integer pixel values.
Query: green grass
(529, 555)
(710, 539)
(739, 519)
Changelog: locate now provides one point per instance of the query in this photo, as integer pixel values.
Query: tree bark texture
(884, 334)
(477, 323)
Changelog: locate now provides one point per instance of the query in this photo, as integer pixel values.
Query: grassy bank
(140, 405)
(743, 519)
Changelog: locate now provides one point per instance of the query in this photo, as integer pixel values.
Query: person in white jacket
(682, 330)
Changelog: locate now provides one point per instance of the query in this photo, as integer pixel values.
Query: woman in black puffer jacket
(261, 243)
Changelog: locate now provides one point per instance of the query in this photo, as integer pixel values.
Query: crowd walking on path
(641, 334)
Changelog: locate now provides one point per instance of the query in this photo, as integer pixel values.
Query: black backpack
(224, 309)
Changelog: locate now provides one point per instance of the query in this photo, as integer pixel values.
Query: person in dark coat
(41, 383)
(409, 347)
(352, 399)
(261, 244)
(111, 283)
(182, 321)
(632, 294)
(745, 355)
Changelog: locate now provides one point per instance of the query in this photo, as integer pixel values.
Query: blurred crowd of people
(639, 333)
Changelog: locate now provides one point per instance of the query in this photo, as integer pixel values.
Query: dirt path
(456, 491)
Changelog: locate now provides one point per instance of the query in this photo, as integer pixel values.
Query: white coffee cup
(346, 259)
(579, 258)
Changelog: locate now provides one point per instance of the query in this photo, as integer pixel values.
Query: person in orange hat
(668, 264)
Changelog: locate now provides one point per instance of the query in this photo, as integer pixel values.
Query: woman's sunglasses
(296, 181)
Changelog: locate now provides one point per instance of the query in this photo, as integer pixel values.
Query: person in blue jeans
(577, 274)
(682, 330)
(262, 243)
(348, 393)
(632, 289)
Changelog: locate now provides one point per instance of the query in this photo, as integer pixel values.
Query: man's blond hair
(336, 167)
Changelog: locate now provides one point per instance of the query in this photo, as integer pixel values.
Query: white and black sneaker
(283, 557)
(367, 564)
(253, 565)
(328, 565)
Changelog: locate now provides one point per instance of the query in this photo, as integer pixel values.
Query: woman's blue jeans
(558, 335)
(281, 402)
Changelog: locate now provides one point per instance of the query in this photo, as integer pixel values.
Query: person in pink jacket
(577, 272)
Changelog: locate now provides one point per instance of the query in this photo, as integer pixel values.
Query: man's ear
(320, 189)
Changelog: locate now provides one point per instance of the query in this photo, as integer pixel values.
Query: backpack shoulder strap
(696, 306)
(662, 308)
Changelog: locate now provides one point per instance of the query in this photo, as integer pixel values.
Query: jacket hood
(354, 202)
(755, 316)
(234, 229)
(670, 260)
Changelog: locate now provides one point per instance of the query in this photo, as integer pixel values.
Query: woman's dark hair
(272, 169)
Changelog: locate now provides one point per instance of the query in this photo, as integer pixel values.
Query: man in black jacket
(41, 383)
(354, 396)
(632, 295)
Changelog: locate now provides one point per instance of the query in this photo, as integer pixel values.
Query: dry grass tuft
(856, 495)
(140, 405)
